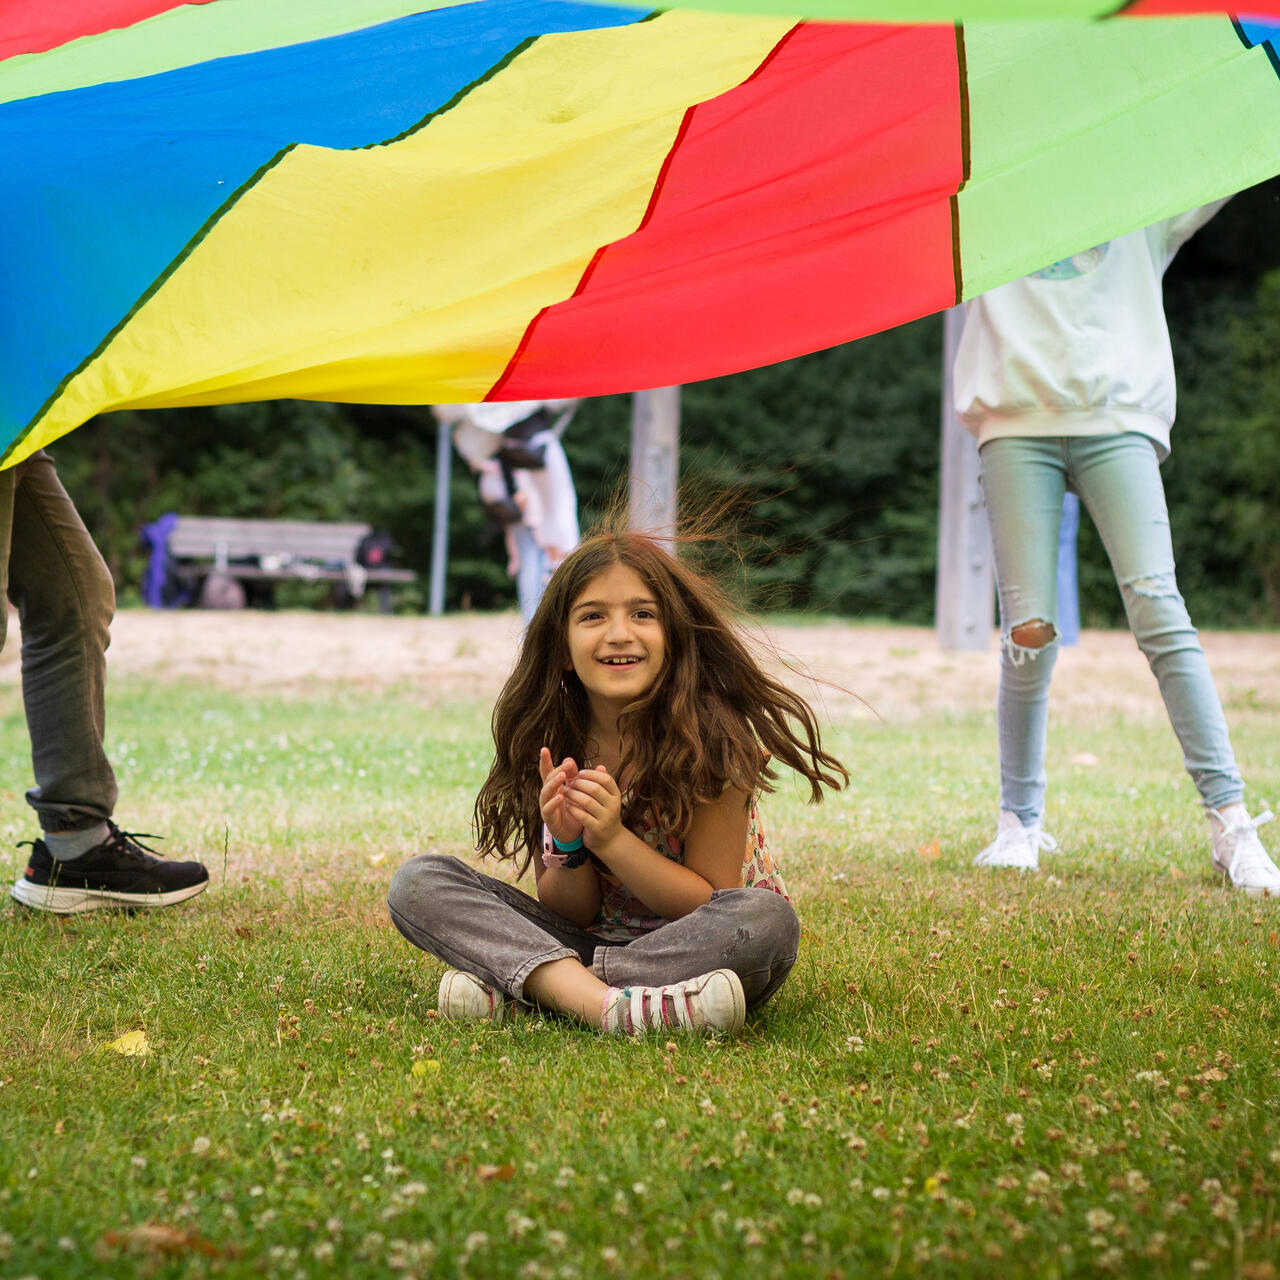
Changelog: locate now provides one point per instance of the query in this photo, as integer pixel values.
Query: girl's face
(616, 642)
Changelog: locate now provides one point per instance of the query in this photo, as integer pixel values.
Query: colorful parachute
(376, 200)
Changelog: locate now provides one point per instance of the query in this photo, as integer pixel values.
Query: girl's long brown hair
(713, 719)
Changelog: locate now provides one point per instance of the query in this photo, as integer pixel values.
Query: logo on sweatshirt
(1079, 264)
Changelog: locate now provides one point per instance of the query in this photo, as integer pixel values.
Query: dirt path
(898, 671)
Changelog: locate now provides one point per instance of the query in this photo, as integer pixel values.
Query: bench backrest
(201, 537)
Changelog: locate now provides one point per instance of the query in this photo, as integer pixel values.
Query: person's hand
(593, 800)
(563, 825)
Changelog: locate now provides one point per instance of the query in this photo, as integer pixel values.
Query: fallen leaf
(377, 859)
(159, 1238)
(133, 1044)
(1086, 758)
(929, 851)
(495, 1172)
(424, 1066)
(1273, 938)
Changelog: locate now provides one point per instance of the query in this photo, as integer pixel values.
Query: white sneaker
(1016, 845)
(1238, 853)
(463, 996)
(710, 1002)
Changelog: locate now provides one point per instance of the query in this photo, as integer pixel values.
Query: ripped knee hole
(1032, 635)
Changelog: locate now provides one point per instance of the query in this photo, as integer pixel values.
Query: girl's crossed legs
(1118, 479)
(510, 941)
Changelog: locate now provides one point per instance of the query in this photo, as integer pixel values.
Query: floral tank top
(623, 916)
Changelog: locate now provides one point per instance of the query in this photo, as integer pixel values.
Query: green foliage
(1251, 435)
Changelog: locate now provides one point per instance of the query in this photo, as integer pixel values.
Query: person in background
(1066, 379)
(525, 482)
(55, 576)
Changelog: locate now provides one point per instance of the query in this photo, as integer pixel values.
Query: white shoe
(463, 996)
(1016, 845)
(1238, 853)
(710, 1002)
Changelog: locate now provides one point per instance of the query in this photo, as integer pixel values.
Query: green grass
(966, 1074)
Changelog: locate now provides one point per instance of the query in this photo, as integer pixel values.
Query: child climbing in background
(632, 742)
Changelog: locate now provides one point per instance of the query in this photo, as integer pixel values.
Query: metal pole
(655, 454)
(965, 608)
(440, 533)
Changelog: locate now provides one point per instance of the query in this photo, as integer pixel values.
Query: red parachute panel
(859, 239)
(32, 26)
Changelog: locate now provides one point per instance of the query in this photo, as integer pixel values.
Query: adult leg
(7, 479)
(1118, 478)
(1023, 480)
(532, 573)
(65, 600)
(753, 932)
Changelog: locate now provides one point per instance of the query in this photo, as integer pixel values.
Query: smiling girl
(632, 742)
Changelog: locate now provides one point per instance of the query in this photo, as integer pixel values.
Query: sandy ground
(898, 671)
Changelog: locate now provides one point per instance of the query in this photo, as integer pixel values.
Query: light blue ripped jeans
(1117, 478)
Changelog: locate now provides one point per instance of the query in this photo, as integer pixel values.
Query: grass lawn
(967, 1074)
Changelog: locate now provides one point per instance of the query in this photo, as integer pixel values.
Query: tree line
(833, 458)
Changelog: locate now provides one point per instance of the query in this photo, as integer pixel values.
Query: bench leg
(384, 599)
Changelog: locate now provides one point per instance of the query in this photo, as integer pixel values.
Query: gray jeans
(499, 933)
(51, 570)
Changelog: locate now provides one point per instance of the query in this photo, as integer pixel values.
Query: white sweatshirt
(1080, 348)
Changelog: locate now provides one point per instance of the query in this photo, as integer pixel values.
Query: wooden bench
(279, 550)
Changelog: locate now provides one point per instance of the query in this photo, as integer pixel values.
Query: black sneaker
(119, 872)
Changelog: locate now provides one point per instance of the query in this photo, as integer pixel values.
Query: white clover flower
(1098, 1220)
(200, 1147)
(1225, 1208)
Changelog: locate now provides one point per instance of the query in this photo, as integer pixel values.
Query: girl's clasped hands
(579, 804)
